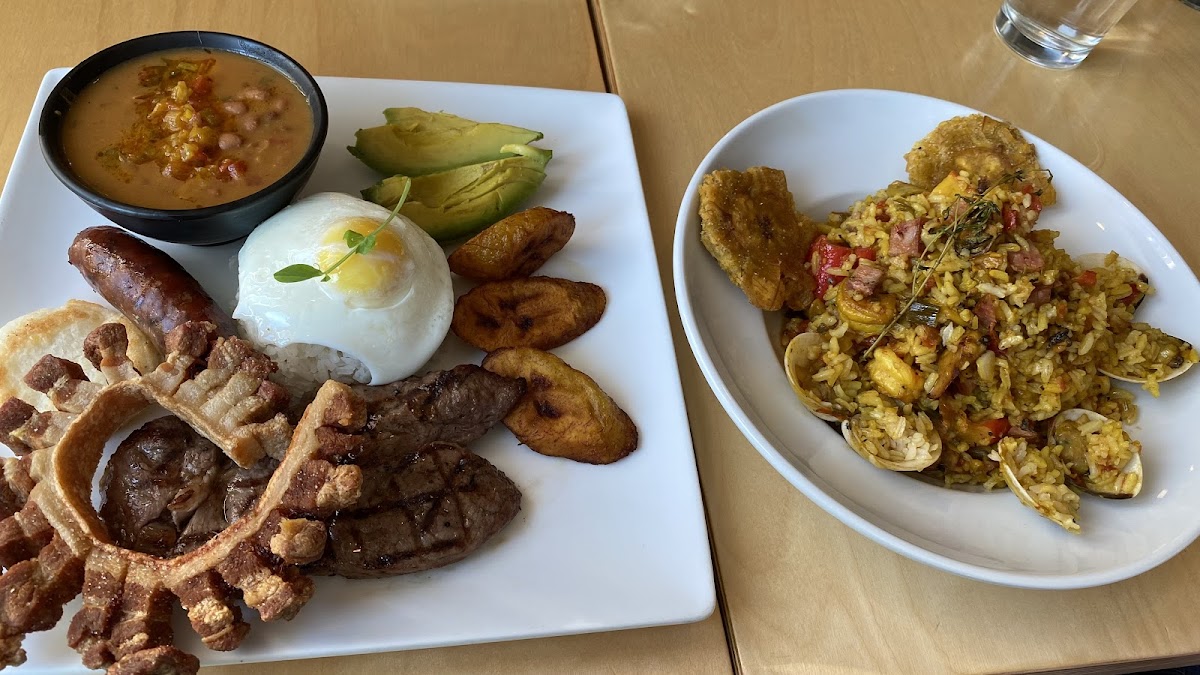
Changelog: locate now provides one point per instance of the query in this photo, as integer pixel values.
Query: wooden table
(800, 592)
(459, 40)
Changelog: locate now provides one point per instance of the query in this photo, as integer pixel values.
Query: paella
(943, 332)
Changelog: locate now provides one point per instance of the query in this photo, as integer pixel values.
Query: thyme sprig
(359, 244)
(967, 230)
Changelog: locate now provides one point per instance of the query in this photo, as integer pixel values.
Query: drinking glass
(1057, 33)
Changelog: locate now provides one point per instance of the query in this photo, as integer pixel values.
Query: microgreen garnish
(360, 244)
(968, 231)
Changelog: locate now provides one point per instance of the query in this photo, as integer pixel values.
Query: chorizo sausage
(144, 283)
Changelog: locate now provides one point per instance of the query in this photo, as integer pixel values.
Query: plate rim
(777, 460)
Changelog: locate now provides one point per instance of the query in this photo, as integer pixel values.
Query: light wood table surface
(545, 43)
(801, 592)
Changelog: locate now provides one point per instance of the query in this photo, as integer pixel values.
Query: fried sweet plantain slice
(514, 247)
(748, 222)
(564, 413)
(539, 312)
(980, 145)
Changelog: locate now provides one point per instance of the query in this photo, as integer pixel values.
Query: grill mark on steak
(443, 510)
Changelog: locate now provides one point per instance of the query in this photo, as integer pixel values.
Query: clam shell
(1141, 380)
(1095, 261)
(874, 455)
(798, 360)
(1082, 482)
(1011, 472)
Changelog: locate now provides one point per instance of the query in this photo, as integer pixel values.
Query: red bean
(278, 104)
(228, 141)
(234, 107)
(247, 122)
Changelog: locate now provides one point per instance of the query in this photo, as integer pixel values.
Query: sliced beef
(866, 278)
(435, 510)
(906, 239)
(426, 500)
(234, 494)
(1026, 260)
(166, 489)
(457, 406)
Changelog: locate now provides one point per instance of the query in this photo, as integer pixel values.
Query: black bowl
(200, 226)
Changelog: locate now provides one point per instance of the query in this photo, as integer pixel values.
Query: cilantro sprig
(359, 244)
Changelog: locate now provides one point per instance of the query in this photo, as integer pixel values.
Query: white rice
(303, 368)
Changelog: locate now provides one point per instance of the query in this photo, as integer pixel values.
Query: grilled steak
(426, 501)
(456, 406)
(167, 489)
(442, 504)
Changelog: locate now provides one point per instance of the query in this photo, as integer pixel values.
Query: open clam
(1100, 458)
(801, 359)
(1038, 478)
(1100, 261)
(892, 440)
(1147, 356)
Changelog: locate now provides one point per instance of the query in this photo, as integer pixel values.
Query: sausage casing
(144, 283)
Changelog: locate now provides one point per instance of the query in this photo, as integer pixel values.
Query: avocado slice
(462, 201)
(415, 142)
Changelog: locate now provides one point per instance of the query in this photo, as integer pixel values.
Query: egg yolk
(364, 280)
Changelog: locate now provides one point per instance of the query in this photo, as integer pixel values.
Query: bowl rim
(165, 41)
(721, 389)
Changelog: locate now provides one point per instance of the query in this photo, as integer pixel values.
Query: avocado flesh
(459, 202)
(474, 212)
(416, 142)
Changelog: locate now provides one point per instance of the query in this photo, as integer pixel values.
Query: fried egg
(384, 312)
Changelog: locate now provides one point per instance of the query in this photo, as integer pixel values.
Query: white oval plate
(836, 147)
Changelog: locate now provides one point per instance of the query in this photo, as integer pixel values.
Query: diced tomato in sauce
(828, 256)
(1009, 217)
(1087, 279)
(996, 429)
(1134, 296)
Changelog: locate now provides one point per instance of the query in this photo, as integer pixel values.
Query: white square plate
(594, 547)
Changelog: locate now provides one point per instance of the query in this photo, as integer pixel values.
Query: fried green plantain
(982, 146)
(748, 222)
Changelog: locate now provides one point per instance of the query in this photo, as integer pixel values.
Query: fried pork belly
(53, 545)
